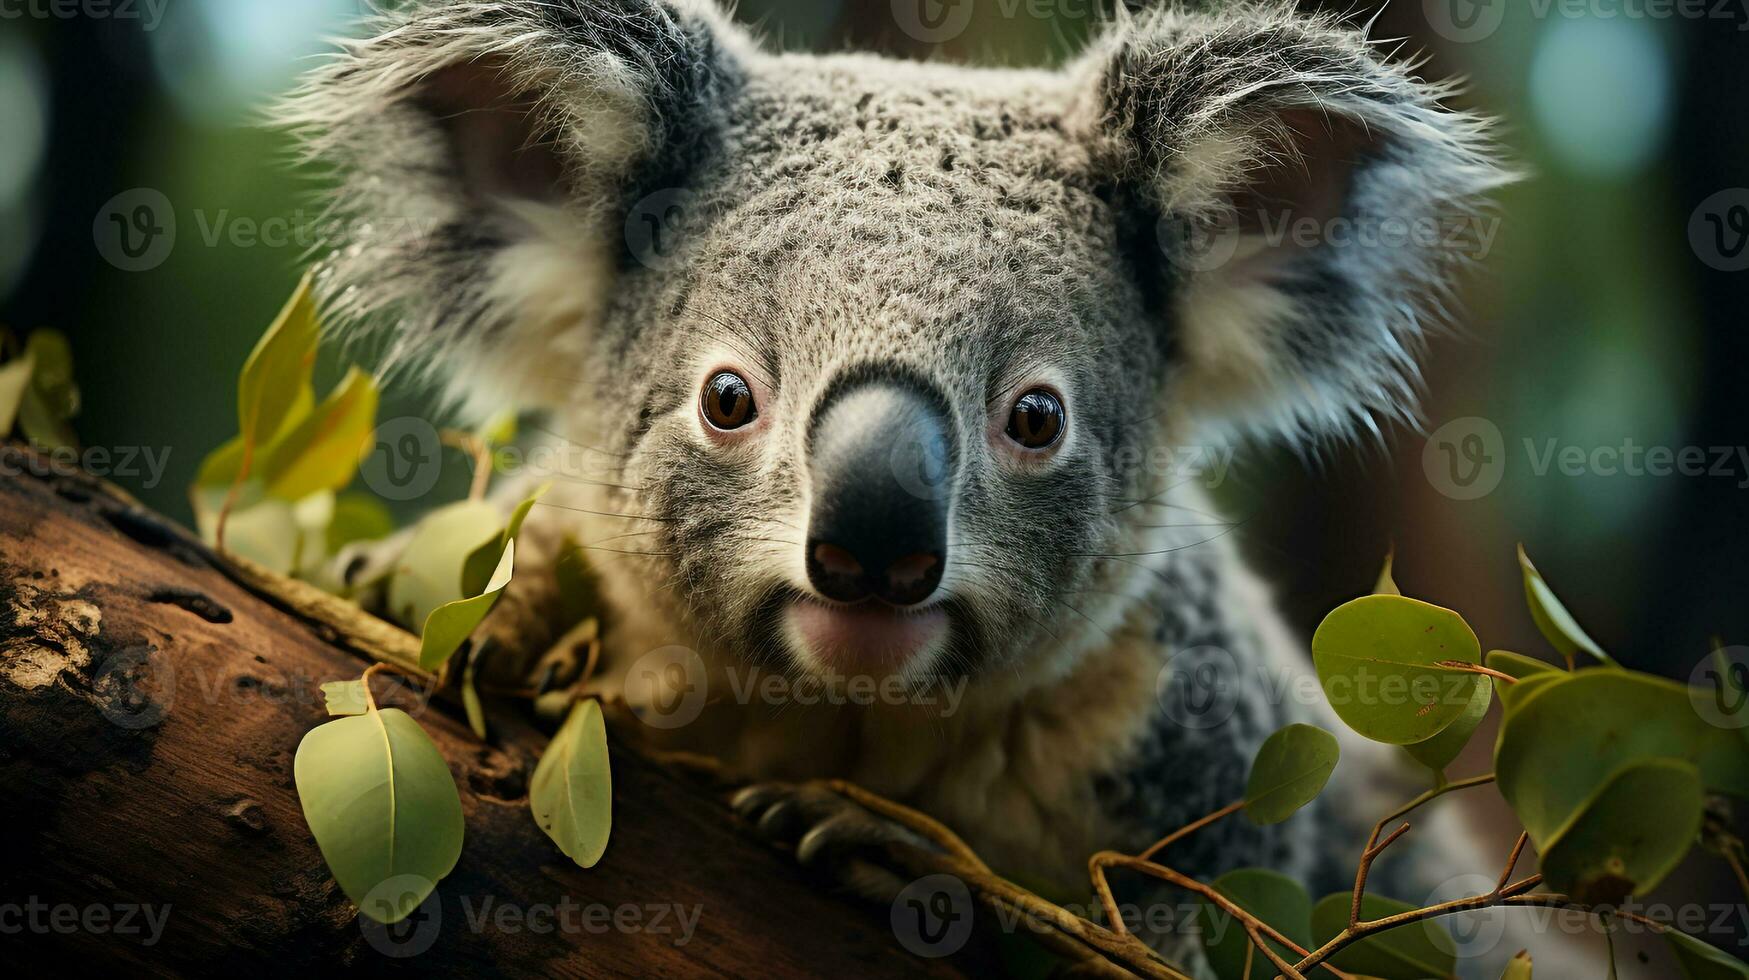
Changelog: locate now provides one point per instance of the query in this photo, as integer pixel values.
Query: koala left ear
(1299, 198)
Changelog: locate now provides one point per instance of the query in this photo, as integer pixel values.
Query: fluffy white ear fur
(481, 150)
(1273, 148)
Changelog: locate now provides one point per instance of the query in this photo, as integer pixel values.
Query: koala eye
(1037, 420)
(727, 402)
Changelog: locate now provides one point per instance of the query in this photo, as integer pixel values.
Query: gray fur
(980, 229)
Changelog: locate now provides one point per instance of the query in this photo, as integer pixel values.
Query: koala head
(862, 346)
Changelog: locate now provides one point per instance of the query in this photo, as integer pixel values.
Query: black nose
(880, 460)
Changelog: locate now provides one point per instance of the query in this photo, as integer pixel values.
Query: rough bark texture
(150, 707)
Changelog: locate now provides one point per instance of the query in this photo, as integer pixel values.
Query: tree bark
(151, 703)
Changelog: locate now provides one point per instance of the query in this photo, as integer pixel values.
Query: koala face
(864, 346)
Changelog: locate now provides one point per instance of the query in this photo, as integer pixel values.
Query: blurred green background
(1610, 307)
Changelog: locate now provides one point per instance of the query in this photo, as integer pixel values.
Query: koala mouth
(869, 638)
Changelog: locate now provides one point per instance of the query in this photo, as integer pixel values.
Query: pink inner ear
(1312, 185)
(500, 148)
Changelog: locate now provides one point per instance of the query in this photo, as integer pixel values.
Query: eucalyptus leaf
(383, 807)
(1572, 734)
(1377, 658)
(1443, 749)
(429, 571)
(1553, 619)
(346, 697)
(1518, 968)
(1411, 952)
(264, 531)
(1517, 664)
(1514, 696)
(571, 794)
(1289, 772)
(1387, 585)
(278, 370)
(53, 375)
(450, 624)
(358, 517)
(1618, 845)
(14, 382)
(471, 705)
(481, 562)
(1274, 898)
(322, 451)
(1702, 961)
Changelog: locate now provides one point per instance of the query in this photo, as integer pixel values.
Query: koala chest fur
(861, 369)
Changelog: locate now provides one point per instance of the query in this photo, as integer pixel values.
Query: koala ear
(483, 152)
(1301, 202)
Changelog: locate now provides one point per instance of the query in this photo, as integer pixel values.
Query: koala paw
(827, 830)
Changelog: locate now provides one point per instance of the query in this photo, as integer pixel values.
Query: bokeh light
(1600, 91)
(220, 59)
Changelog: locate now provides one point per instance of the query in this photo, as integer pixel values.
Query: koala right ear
(483, 150)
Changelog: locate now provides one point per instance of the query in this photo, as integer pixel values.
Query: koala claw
(824, 825)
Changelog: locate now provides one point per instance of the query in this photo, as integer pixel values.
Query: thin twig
(1191, 828)
(1512, 861)
(1366, 859)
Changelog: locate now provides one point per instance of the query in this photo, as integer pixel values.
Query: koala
(865, 368)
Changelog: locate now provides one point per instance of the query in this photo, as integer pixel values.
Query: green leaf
(346, 697)
(53, 377)
(14, 382)
(1517, 664)
(1553, 619)
(1560, 744)
(1703, 961)
(1386, 584)
(1518, 968)
(278, 370)
(1411, 952)
(1629, 835)
(429, 572)
(1441, 750)
(450, 624)
(1515, 696)
(1276, 899)
(1289, 772)
(481, 562)
(322, 451)
(571, 793)
(383, 808)
(263, 531)
(1377, 660)
(358, 517)
(471, 705)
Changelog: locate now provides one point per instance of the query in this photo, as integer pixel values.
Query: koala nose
(880, 459)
